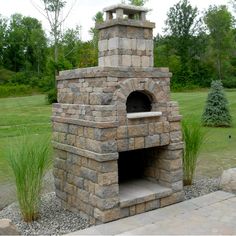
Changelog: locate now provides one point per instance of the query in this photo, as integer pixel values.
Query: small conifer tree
(216, 113)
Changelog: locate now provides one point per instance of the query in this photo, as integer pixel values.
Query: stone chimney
(125, 38)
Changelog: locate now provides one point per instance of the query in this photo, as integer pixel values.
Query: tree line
(198, 48)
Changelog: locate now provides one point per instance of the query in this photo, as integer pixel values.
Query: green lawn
(19, 113)
(218, 152)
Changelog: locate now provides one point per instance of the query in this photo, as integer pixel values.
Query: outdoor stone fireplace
(116, 134)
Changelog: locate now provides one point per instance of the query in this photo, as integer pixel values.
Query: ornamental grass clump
(216, 113)
(193, 136)
(29, 158)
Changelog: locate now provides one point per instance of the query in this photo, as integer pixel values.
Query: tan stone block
(170, 165)
(124, 212)
(139, 143)
(152, 141)
(101, 61)
(141, 44)
(73, 129)
(103, 204)
(159, 127)
(69, 188)
(125, 43)
(134, 44)
(177, 186)
(85, 207)
(138, 130)
(132, 210)
(62, 138)
(70, 139)
(149, 45)
(122, 132)
(151, 127)
(174, 198)
(72, 200)
(136, 61)
(88, 174)
(152, 205)
(131, 143)
(145, 61)
(55, 136)
(80, 142)
(102, 45)
(113, 43)
(89, 186)
(176, 136)
(126, 60)
(110, 166)
(140, 208)
(105, 134)
(89, 132)
(170, 177)
(166, 127)
(107, 216)
(122, 145)
(108, 178)
(109, 191)
(60, 174)
(60, 164)
(175, 126)
(114, 61)
(165, 139)
(83, 195)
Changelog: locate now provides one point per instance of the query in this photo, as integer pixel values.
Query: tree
(182, 25)
(220, 25)
(70, 44)
(53, 10)
(25, 45)
(98, 18)
(138, 2)
(3, 29)
(216, 112)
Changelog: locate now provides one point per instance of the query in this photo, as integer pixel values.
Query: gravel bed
(56, 221)
(53, 219)
(201, 186)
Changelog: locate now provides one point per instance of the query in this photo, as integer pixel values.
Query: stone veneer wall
(124, 42)
(90, 128)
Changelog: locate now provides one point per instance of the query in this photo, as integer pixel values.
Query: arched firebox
(138, 101)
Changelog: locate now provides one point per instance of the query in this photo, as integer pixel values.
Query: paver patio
(214, 213)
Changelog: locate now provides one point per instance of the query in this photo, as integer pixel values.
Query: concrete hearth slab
(141, 190)
(214, 213)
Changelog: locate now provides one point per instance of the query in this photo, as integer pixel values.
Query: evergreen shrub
(216, 112)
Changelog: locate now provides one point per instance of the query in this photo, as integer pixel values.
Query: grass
(29, 158)
(16, 113)
(218, 151)
(193, 137)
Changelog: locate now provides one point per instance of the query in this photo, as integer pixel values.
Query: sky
(84, 10)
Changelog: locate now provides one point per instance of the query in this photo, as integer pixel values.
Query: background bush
(229, 82)
(16, 90)
(52, 96)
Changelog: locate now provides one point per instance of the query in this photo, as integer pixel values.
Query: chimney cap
(127, 9)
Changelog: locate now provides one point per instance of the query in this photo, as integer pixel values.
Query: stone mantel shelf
(139, 115)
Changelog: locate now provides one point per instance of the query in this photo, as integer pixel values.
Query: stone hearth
(116, 134)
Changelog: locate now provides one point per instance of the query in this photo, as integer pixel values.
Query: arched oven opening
(138, 101)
